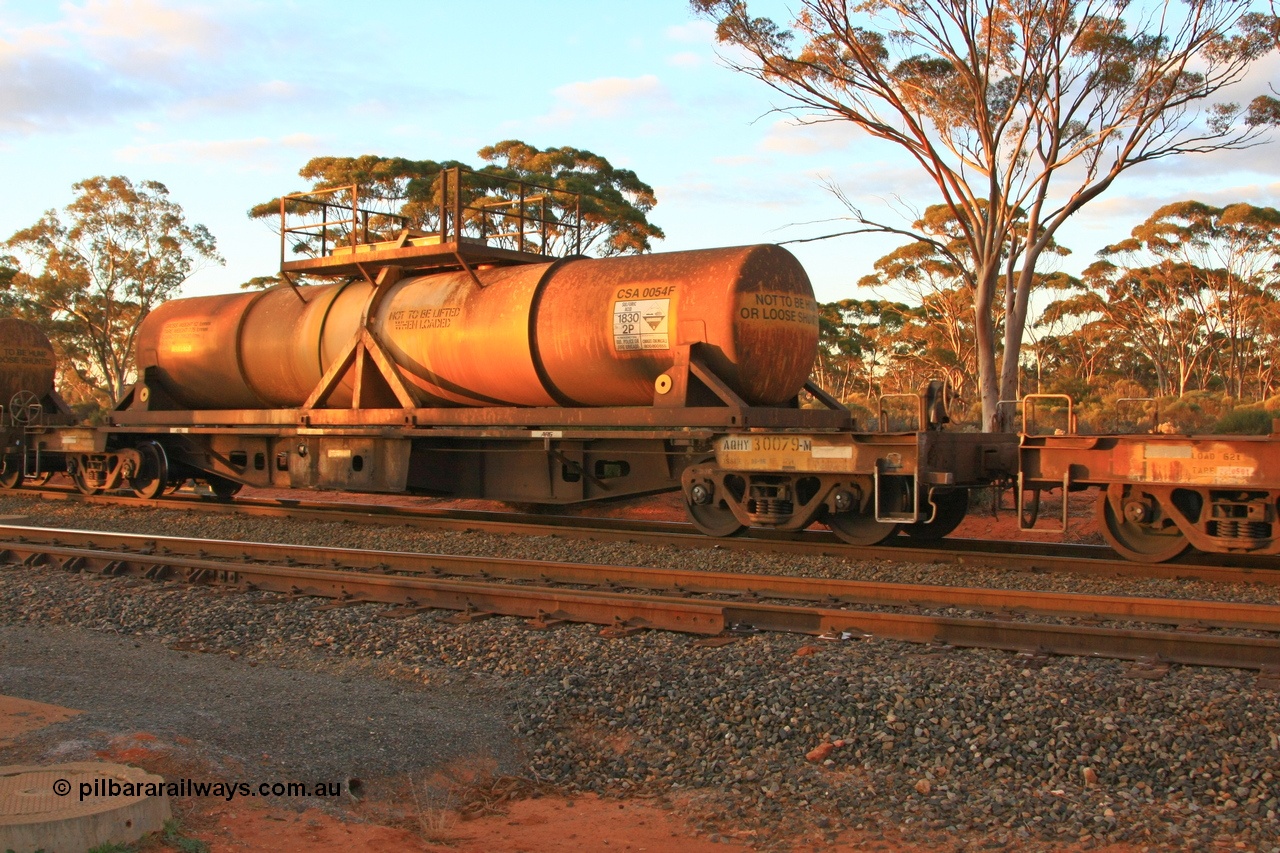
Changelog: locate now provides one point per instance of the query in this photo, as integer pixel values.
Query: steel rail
(1031, 556)
(636, 611)
(1176, 611)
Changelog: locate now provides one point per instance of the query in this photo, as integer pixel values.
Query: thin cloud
(104, 58)
(686, 59)
(735, 160)
(1134, 208)
(240, 99)
(790, 137)
(608, 97)
(51, 92)
(1263, 159)
(141, 35)
(248, 152)
(692, 32)
(745, 192)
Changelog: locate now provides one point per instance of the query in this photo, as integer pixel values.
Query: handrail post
(457, 206)
(282, 232)
(355, 213)
(884, 415)
(1071, 417)
(542, 225)
(520, 243)
(443, 215)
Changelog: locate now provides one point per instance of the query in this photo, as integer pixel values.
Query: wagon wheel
(859, 528)
(706, 509)
(11, 472)
(857, 523)
(152, 476)
(952, 507)
(1140, 531)
(714, 518)
(224, 489)
(25, 408)
(81, 480)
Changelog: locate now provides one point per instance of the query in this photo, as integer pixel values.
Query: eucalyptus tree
(1021, 112)
(90, 274)
(861, 343)
(612, 203)
(1234, 254)
(1155, 310)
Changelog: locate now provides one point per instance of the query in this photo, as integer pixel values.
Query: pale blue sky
(224, 102)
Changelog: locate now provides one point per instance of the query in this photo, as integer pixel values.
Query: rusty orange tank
(581, 332)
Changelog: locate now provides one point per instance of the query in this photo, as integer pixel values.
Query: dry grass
(434, 814)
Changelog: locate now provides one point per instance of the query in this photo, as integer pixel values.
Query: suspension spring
(769, 509)
(1240, 529)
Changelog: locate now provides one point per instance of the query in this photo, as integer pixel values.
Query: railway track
(627, 600)
(1031, 556)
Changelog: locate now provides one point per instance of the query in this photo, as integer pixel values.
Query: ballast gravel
(30, 511)
(782, 734)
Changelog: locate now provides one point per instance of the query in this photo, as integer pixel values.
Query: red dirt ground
(540, 824)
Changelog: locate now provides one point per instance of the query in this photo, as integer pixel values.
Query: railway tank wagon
(469, 363)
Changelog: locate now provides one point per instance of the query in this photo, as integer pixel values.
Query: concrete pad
(18, 716)
(71, 808)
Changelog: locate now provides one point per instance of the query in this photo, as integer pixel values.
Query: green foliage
(859, 344)
(1218, 265)
(172, 834)
(1195, 412)
(1095, 418)
(1246, 420)
(937, 277)
(1187, 309)
(864, 417)
(261, 282)
(89, 411)
(934, 336)
(614, 202)
(89, 275)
